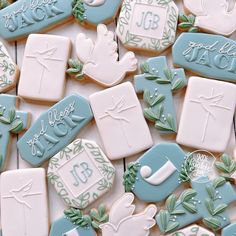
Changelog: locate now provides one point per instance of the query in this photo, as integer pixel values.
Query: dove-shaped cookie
(100, 58)
(122, 221)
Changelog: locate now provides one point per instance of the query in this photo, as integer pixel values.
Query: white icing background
(71, 30)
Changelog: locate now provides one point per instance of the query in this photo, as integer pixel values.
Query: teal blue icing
(230, 230)
(8, 102)
(103, 13)
(226, 192)
(26, 16)
(155, 158)
(55, 129)
(209, 55)
(61, 226)
(141, 84)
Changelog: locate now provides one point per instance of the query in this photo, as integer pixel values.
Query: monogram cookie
(147, 25)
(82, 172)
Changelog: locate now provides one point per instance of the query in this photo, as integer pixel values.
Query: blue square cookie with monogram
(55, 129)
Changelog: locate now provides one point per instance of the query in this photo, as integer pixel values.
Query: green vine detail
(75, 69)
(186, 23)
(130, 176)
(78, 10)
(168, 217)
(186, 170)
(95, 218)
(227, 166)
(16, 124)
(214, 222)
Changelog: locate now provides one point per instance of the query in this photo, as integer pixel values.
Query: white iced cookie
(24, 203)
(120, 121)
(9, 72)
(213, 16)
(122, 220)
(43, 72)
(207, 115)
(100, 58)
(148, 25)
(80, 171)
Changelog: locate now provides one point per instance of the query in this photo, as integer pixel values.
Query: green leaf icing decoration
(75, 69)
(227, 166)
(78, 10)
(186, 170)
(3, 4)
(187, 23)
(94, 219)
(130, 175)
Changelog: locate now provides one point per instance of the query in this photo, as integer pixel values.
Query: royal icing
(147, 25)
(100, 55)
(204, 201)
(94, 12)
(207, 114)
(24, 201)
(229, 230)
(54, 129)
(46, 81)
(192, 230)
(209, 55)
(117, 111)
(25, 17)
(82, 172)
(219, 19)
(11, 122)
(9, 72)
(64, 227)
(155, 175)
(158, 82)
(122, 220)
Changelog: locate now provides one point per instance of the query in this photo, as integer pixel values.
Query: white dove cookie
(123, 221)
(219, 19)
(100, 59)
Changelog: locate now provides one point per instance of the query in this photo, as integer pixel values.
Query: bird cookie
(123, 221)
(100, 59)
(214, 16)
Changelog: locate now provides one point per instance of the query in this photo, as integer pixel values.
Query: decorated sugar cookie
(9, 72)
(229, 230)
(123, 221)
(157, 83)
(11, 122)
(207, 114)
(147, 25)
(192, 230)
(204, 201)
(94, 12)
(99, 59)
(117, 111)
(25, 17)
(209, 55)
(219, 19)
(44, 68)
(24, 201)
(155, 175)
(54, 129)
(82, 172)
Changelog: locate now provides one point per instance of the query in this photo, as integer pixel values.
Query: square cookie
(207, 115)
(44, 66)
(24, 203)
(120, 121)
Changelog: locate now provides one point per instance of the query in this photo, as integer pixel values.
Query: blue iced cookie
(230, 230)
(64, 227)
(94, 12)
(206, 201)
(11, 122)
(155, 175)
(158, 83)
(54, 129)
(209, 55)
(24, 17)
